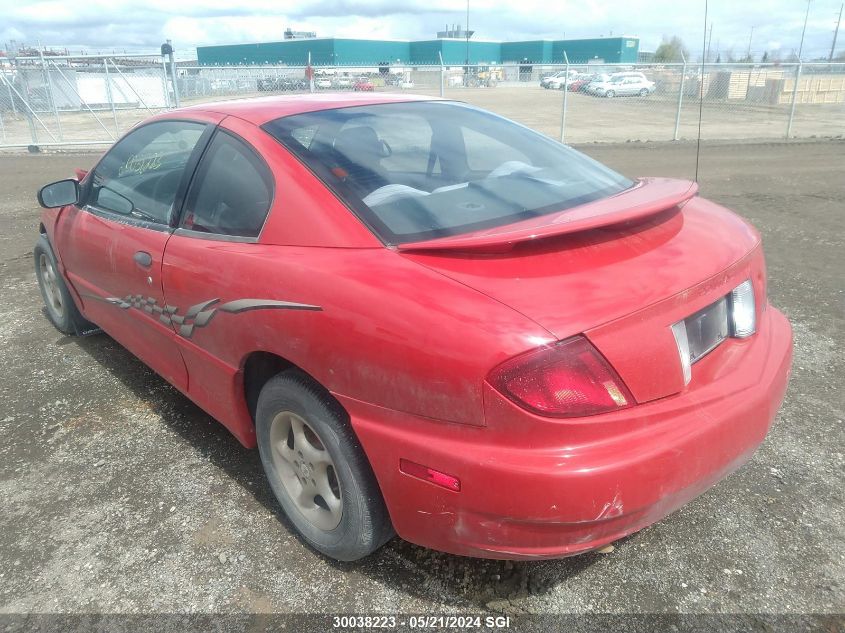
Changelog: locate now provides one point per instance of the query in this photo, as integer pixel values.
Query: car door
(112, 243)
(624, 87)
(213, 263)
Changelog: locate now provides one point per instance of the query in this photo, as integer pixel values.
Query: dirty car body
(535, 355)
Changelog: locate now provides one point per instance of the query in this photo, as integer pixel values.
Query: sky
(118, 25)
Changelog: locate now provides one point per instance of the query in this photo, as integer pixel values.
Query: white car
(343, 82)
(323, 83)
(558, 80)
(622, 85)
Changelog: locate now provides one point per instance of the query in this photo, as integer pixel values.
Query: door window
(140, 175)
(232, 191)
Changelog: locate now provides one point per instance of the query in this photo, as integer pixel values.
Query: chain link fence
(54, 101)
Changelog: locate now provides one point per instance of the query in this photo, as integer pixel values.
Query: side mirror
(59, 194)
(114, 201)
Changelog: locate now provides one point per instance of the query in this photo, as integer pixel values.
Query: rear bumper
(534, 488)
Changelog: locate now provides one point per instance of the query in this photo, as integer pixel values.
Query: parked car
(521, 354)
(558, 80)
(268, 84)
(291, 84)
(580, 81)
(363, 85)
(272, 84)
(621, 85)
(343, 82)
(323, 83)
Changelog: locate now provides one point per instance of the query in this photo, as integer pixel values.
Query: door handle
(143, 258)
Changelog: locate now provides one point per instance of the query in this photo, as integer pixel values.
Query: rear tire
(318, 470)
(610, 94)
(58, 302)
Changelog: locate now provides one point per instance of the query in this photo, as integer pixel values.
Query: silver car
(624, 86)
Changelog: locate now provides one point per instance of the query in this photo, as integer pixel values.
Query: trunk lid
(622, 282)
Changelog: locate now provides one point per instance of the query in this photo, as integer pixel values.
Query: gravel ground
(121, 496)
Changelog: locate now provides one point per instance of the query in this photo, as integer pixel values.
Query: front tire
(318, 470)
(644, 92)
(610, 94)
(58, 303)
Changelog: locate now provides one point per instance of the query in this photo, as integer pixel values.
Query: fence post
(28, 112)
(11, 98)
(25, 105)
(794, 95)
(173, 75)
(565, 97)
(164, 83)
(442, 73)
(51, 90)
(680, 98)
(2, 126)
(110, 96)
(309, 73)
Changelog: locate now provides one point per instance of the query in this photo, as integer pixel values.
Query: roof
(260, 110)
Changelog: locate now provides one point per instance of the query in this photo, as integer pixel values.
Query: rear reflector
(430, 475)
(566, 380)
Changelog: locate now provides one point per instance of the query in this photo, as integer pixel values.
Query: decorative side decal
(200, 314)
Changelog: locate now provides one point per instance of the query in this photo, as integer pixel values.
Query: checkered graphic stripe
(200, 314)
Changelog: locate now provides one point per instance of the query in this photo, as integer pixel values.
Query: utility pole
(750, 37)
(466, 68)
(836, 33)
(806, 16)
(709, 39)
(467, 33)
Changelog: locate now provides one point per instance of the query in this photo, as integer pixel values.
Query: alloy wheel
(306, 470)
(52, 292)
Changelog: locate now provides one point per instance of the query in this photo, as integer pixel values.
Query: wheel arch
(259, 367)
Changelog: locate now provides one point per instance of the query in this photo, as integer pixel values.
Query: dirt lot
(588, 119)
(119, 495)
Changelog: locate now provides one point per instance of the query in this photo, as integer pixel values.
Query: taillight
(566, 380)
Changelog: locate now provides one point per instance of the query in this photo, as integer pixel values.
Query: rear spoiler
(649, 196)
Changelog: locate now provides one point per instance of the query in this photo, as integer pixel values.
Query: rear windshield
(423, 170)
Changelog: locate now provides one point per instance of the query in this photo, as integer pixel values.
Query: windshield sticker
(138, 165)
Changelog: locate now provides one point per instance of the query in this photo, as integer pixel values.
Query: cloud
(131, 25)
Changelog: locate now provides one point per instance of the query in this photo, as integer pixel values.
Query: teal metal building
(326, 51)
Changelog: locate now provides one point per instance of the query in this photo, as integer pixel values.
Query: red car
(428, 319)
(577, 84)
(363, 85)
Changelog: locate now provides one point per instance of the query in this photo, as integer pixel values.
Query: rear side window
(232, 191)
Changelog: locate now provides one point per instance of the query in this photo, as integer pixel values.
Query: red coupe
(429, 320)
(363, 85)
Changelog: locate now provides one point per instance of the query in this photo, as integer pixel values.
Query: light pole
(804, 30)
(466, 29)
(748, 53)
(836, 33)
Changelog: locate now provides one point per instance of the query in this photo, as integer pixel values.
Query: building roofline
(433, 39)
